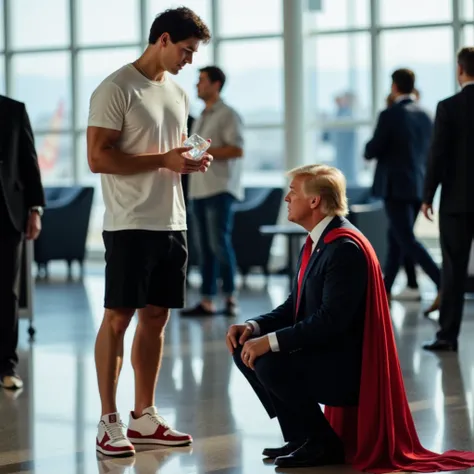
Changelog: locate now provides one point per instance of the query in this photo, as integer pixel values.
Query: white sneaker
(408, 294)
(11, 382)
(151, 428)
(111, 439)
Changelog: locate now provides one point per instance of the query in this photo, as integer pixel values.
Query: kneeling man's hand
(237, 334)
(253, 349)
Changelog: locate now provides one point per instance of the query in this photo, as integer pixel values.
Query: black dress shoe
(283, 451)
(197, 310)
(231, 309)
(439, 345)
(312, 454)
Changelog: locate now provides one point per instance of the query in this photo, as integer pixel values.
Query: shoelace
(115, 431)
(160, 421)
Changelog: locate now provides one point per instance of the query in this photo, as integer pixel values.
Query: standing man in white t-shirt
(137, 124)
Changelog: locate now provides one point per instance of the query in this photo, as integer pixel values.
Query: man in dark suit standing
(451, 165)
(316, 334)
(400, 144)
(21, 206)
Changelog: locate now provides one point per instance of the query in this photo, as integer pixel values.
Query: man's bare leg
(109, 355)
(147, 351)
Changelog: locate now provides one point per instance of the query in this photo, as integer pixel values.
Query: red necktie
(308, 248)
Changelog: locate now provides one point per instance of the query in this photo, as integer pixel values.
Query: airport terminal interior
(309, 79)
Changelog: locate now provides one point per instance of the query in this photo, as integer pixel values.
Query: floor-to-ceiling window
(249, 48)
(53, 53)
(339, 85)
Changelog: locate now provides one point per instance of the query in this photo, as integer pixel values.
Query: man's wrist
(160, 160)
(37, 209)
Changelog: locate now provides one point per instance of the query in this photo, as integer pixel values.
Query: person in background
(412, 290)
(213, 194)
(21, 207)
(400, 145)
(451, 166)
(344, 138)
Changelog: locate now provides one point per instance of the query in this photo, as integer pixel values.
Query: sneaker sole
(159, 442)
(11, 387)
(116, 454)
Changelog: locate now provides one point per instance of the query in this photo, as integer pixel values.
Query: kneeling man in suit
(308, 351)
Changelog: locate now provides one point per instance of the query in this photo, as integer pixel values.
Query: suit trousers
(10, 258)
(403, 243)
(456, 232)
(280, 381)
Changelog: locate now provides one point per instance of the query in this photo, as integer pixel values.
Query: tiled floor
(51, 426)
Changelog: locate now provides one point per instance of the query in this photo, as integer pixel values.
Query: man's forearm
(225, 152)
(114, 161)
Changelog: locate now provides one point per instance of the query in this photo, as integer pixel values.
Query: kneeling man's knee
(237, 356)
(268, 368)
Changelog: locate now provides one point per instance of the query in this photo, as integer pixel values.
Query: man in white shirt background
(213, 194)
(137, 124)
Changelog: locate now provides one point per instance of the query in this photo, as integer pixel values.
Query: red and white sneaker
(151, 428)
(111, 439)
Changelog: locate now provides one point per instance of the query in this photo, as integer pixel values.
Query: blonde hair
(327, 182)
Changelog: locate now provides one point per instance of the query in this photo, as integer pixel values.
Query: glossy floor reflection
(50, 427)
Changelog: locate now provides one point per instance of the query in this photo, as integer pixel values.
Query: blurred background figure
(412, 290)
(451, 166)
(400, 146)
(21, 207)
(343, 138)
(215, 192)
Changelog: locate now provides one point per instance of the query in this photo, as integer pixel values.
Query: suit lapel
(317, 252)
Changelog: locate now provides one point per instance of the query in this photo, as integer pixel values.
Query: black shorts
(145, 267)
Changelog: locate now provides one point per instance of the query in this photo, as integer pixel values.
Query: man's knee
(118, 319)
(268, 368)
(237, 356)
(154, 318)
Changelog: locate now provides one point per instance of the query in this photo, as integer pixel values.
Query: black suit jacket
(400, 144)
(330, 321)
(451, 158)
(20, 179)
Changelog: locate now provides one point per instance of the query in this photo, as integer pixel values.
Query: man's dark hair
(466, 60)
(404, 79)
(181, 24)
(215, 74)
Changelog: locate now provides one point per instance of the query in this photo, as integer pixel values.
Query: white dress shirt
(315, 236)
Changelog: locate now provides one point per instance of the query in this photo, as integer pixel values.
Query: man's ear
(315, 201)
(164, 39)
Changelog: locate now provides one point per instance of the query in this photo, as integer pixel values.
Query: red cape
(379, 434)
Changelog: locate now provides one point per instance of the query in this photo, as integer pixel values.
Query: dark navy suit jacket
(451, 161)
(400, 145)
(330, 320)
(20, 178)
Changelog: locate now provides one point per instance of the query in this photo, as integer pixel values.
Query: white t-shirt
(152, 117)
